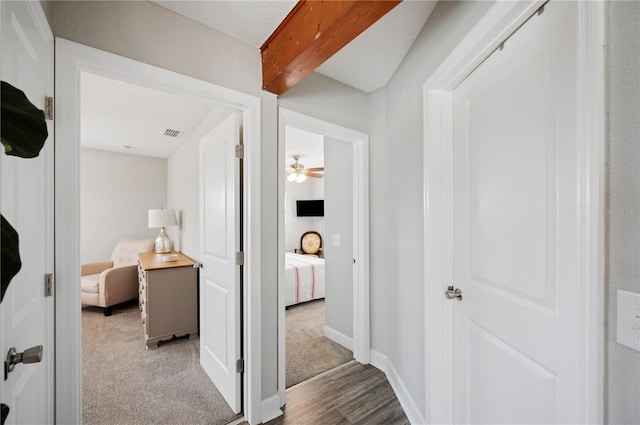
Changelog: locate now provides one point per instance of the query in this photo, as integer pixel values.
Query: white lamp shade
(162, 218)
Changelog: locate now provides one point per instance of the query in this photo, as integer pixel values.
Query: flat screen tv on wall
(310, 208)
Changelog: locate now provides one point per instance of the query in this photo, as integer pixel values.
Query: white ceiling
(309, 146)
(367, 63)
(116, 114)
(249, 21)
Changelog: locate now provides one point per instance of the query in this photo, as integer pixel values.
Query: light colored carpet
(122, 383)
(309, 352)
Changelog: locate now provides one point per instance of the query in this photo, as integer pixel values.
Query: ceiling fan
(298, 174)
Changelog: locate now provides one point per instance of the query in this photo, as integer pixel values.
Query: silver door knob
(30, 355)
(452, 293)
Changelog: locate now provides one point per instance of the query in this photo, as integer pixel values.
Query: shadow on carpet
(122, 383)
(309, 352)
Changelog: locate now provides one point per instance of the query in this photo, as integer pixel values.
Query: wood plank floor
(349, 394)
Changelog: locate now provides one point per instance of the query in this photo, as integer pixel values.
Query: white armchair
(113, 282)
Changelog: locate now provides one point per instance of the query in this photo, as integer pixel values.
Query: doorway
(136, 156)
(473, 304)
(71, 60)
(356, 241)
(317, 287)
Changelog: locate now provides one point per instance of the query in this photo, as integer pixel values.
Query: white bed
(303, 278)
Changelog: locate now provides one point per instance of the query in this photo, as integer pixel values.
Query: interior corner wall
(183, 186)
(46, 8)
(338, 221)
(326, 99)
(149, 33)
(622, 391)
(382, 294)
(396, 209)
(269, 252)
(116, 192)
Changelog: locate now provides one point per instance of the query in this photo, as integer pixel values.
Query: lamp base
(163, 243)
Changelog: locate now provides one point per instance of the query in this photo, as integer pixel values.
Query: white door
(26, 315)
(516, 243)
(220, 218)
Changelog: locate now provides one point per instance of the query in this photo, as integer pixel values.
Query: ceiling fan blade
(315, 169)
(316, 175)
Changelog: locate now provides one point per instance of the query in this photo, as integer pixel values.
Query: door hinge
(240, 366)
(240, 151)
(48, 107)
(48, 285)
(240, 258)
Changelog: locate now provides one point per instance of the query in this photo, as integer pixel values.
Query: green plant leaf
(23, 127)
(5, 412)
(10, 247)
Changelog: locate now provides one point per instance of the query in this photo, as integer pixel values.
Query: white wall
(116, 192)
(396, 202)
(295, 226)
(183, 185)
(329, 100)
(146, 32)
(622, 402)
(338, 207)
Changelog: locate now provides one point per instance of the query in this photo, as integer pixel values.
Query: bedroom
(129, 166)
(318, 278)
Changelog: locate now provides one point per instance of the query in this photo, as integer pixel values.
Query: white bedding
(303, 278)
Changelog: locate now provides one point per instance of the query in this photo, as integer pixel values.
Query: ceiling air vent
(171, 132)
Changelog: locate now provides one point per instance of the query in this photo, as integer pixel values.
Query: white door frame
(360, 141)
(72, 59)
(502, 20)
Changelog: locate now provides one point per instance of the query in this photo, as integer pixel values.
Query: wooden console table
(168, 297)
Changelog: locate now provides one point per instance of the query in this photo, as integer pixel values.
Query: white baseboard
(407, 403)
(339, 338)
(378, 360)
(271, 408)
(383, 363)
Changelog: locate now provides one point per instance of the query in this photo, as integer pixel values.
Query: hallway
(349, 394)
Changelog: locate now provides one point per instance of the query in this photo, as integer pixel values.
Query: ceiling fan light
(292, 177)
(300, 178)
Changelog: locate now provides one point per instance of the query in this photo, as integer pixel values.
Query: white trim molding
(338, 337)
(360, 142)
(502, 20)
(271, 408)
(382, 362)
(378, 360)
(72, 59)
(591, 128)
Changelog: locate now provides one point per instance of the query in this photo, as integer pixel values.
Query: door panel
(515, 222)
(26, 315)
(220, 276)
(510, 371)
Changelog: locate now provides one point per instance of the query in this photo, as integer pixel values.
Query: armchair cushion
(89, 283)
(113, 282)
(126, 251)
(95, 268)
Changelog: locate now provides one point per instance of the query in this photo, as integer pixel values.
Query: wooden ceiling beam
(310, 34)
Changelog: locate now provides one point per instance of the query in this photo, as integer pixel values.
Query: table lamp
(162, 218)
